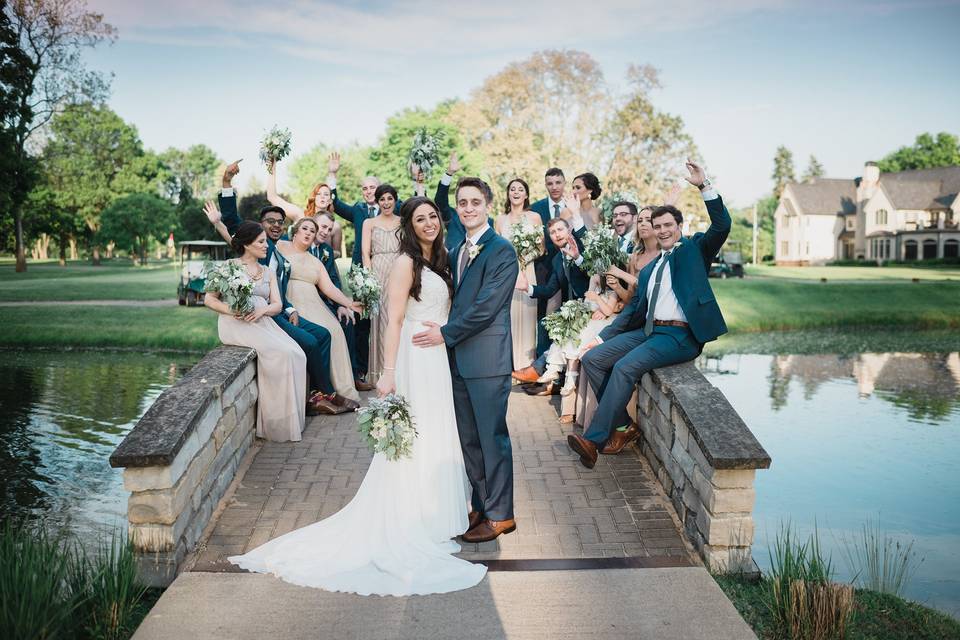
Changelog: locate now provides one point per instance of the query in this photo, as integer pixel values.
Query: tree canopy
(783, 171)
(135, 220)
(925, 153)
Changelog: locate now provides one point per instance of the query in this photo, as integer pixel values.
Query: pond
(853, 439)
(61, 416)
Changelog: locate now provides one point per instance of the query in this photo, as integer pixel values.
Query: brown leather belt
(670, 323)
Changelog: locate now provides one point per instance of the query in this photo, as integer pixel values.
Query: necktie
(556, 210)
(463, 260)
(372, 210)
(652, 305)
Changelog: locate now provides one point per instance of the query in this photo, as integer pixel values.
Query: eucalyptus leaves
(526, 241)
(230, 280)
(424, 152)
(365, 288)
(387, 426)
(601, 250)
(275, 146)
(566, 323)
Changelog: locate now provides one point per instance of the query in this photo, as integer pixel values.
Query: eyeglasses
(274, 222)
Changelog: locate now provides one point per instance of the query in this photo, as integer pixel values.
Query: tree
(814, 169)
(46, 214)
(192, 224)
(782, 170)
(249, 206)
(135, 220)
(195, 170)
(50, 72)
(926, 152)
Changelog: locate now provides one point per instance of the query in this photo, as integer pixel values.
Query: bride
(395, 536)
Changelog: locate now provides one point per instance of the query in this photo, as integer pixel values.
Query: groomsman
(312, 338)
(324, 252)
(625, 223)
(455, 229)
(548, 208)
(672, 314)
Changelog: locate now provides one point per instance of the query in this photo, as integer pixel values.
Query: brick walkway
(563, 510)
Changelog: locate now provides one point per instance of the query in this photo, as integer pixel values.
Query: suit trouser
(350, 333)
(315, 342)
(481, 409)
(614, 368)
(361, 340)
(542, 270)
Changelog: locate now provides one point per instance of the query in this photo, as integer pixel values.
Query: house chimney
(871, 174)
(865, 190)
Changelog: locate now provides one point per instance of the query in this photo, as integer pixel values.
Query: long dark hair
(247, 232)
(526, 199)
(410, 245)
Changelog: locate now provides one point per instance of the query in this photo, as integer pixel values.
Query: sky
(845, 81)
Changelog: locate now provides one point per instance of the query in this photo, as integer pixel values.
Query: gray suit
(479, 347)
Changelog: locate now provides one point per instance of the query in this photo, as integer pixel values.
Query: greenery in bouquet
(526, 240)
(601, 250)
(424, 152)
(230, 280)
(387, 426)
(609, 199)
(565, 324)
(365, 288)
(275, 146)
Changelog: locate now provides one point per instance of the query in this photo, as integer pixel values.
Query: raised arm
(720, 222)
(291, 210)
(228, 199)
(442, 195)
(397, 294)
(496, 292)
(213, 215)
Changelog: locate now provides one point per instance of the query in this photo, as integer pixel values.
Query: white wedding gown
(394, 537)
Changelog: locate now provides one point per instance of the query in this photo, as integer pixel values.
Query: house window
(929, 249)
(880, 217)
(951, 249)
(849, 223)
(910, 250)
(784, 248)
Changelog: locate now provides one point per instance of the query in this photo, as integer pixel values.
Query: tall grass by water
(53, 587)
(880, 562)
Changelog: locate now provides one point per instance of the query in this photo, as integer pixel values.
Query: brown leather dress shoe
(527, 374)
(364, 386)
(318, 405)
(474, 518)
(620, 439)
(584, 448)
(489, 530)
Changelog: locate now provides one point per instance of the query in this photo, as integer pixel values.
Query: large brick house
(907, 215)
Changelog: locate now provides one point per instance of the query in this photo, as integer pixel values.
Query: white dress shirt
(668, 307)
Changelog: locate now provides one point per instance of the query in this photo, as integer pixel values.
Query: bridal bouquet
(275, 146)
(231, 281)
(365, 289)
(424, 153)
(526, 240)
(387, 426)
(566, 323)
(601, 250)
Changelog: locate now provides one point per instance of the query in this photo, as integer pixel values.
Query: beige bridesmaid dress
(384, 249)
(523, 317)
(281, 368)
(302, 293)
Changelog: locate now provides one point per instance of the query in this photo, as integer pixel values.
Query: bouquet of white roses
(566, 323)
(387, 426)
(230, 280)
(424, 153)
(526, 240)
(601, 250)
(365, 289)
(275, 146)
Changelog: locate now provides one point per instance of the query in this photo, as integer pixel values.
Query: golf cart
(193, 254)
(727, 264)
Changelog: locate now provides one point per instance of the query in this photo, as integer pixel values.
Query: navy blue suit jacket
(689, 266)
(573, 281)
(324, 253)
(542, 208)
(355, 214)
(477, 333)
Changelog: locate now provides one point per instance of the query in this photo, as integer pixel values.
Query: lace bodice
(434, 303)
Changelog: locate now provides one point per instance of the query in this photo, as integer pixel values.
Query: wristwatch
(705, 185)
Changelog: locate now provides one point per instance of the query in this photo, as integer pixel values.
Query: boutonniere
(474, 251)
(326, 255)
(286, 266)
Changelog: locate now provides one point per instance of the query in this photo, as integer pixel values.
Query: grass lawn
(897, 272)
(876, 616)
(116, 280)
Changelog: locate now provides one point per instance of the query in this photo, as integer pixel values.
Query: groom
(479, 347)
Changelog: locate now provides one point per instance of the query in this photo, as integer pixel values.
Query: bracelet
(389, 368)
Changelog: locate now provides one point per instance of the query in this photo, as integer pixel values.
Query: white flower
(474, 251)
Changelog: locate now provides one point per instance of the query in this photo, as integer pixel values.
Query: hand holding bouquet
(275, 146)
(365, 289)
(565, 324)
(387, 426)
(601, 250)
(526, 241)
(229, 279)
(424, 153)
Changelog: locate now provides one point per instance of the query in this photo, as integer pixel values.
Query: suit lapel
(484, 239)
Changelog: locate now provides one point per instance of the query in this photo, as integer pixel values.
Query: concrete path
(668, 604)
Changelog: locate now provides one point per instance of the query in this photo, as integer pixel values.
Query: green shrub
(880, 562)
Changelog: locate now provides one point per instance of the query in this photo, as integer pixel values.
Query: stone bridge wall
(182, 455)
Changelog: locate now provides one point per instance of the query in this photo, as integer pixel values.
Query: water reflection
(851, 440)
(61, 416)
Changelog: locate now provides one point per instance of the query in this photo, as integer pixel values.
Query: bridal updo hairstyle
(410, 245)
(247, 232)
(592, 183)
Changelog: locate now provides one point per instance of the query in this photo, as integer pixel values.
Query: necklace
(259, 274)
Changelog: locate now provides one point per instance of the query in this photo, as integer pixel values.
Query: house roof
(922, 189)
(829, 196)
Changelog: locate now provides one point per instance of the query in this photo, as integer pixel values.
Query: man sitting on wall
(672, 314)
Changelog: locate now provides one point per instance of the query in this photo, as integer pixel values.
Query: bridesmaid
(307, 274)
(586, 189)
(281, 364)
(320, 198)
(523, 308)
(380, 247)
